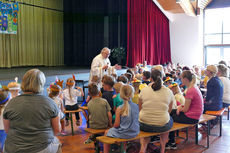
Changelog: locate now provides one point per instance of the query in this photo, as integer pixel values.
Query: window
(217, 35)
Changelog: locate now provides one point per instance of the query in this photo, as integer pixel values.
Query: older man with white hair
(101, 65)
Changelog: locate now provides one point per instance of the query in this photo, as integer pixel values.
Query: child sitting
(4, 98)
(129, 77)
(126, 124)
(180, 100)
(122, 79)
(14, 89)
(99, 109)
(70, 95)
(107, 84)
(55, 91)
(167, 81)
(117, 101)
(146, 77)
(136, 84)
(96, 80)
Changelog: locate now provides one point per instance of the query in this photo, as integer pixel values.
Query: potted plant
(119, 54)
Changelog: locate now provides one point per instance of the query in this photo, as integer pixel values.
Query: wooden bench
(176, 126)
(71, 117)
(96, 131)
(218, 114)
(84, 107)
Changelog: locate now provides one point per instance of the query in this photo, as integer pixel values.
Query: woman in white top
(155, 105)
(223, 76)
(70, 95)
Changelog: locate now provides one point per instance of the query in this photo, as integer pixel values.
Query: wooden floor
(74, 144)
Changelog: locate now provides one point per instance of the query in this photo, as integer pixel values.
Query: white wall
(186, 39)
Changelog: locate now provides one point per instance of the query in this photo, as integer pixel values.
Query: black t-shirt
(147, 82)
(108, 95)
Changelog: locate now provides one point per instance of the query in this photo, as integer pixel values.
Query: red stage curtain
(148, 34)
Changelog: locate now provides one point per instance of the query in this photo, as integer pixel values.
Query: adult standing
(101, 65)
(31, 120)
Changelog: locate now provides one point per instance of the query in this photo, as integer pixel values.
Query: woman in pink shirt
(191, 111)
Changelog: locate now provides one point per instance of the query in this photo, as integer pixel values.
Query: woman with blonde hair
(213, 99)
(31, 120)
(192, 109)
(126, 124)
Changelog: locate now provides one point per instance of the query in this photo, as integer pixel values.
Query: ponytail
(126, 93)
(70, 95)
(156, 76)
(69, 84)
(157, 84)
(125, 108)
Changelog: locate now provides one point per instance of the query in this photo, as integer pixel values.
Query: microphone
(107, 65)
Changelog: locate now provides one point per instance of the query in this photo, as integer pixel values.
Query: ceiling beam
(187, 7)
(203, 3)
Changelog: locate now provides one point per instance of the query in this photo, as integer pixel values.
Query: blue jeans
(153, 128)
(2, 139)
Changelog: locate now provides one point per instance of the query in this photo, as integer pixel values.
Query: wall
(39, 38)
(186, 39)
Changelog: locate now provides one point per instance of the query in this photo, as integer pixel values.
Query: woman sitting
(155, 104)
(191, 111)
(213, 100)
(31, 120)
(223, 75)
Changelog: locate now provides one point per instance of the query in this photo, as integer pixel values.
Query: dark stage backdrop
(90, 25)
(148, 34)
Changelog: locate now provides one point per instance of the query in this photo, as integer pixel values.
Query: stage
(62, 72)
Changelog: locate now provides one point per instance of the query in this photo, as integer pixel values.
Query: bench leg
(186, 134)
(123, 149)
(208, 133)
(177, 133)
(84, 92)
(220, 117)
(71, 121)
(228, 113)
(196, 134)
(97, 146)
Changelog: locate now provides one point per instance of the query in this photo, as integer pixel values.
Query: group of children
(188, 103)
(113, 100)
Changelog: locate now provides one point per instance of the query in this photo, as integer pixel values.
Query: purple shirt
(196, 107)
